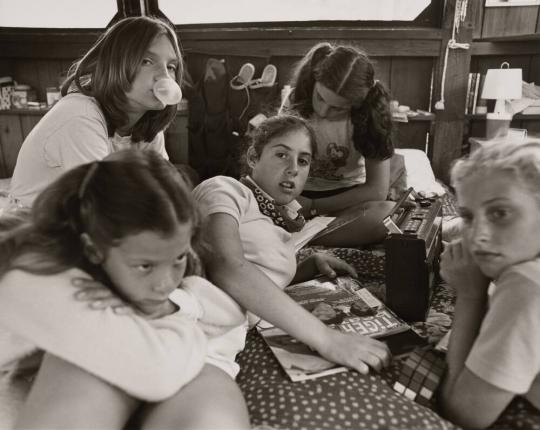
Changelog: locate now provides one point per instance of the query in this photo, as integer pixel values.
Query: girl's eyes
(181, 259)
(499, 214)
(301, 161)
(150, 62)
(144, 268)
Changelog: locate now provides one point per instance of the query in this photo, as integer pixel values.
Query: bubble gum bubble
(167, 91)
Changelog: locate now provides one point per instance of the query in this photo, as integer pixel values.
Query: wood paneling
(410, 81)
(11, 139)
(508, 21)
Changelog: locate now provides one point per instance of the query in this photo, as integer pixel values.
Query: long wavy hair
(348, 72)
(127, 193)
(108, 69)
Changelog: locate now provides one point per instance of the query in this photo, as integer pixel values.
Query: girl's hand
(98, 296)
(461, 272)
(331, 266)
(356, 351)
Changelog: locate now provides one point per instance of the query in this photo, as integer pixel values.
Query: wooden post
(449, 123)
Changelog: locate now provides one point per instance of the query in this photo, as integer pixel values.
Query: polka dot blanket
(349, 400)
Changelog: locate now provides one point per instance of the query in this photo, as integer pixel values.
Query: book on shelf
(475, 83)
(468, 94)
(343, 304)
(479, 101)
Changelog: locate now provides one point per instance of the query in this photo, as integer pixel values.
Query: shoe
(267, 79)
(244, 77)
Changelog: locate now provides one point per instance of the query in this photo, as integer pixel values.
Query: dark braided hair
(348, 72)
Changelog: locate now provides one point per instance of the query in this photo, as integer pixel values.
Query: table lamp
(501, 84)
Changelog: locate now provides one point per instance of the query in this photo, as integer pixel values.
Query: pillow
(419, 174)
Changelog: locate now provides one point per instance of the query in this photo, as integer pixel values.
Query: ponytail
(373, 127)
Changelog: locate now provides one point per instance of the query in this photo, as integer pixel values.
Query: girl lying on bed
(129, 222)
(494, 350)
(248, 226)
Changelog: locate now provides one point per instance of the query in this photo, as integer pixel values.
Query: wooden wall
(408, 60)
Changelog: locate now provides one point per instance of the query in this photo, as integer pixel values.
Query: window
(237, 11)
(57, 13)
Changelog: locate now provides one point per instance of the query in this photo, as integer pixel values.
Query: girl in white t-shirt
(108, 104)
(129, 222)
(336, 91)
(248, 224)
(494, 350)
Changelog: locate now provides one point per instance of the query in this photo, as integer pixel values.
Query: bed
(350, 400)
(344, 400)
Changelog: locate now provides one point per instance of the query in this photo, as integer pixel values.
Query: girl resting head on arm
(248, 224)
(109, 103)
(130, 222)
(493, 353)
(336, 90)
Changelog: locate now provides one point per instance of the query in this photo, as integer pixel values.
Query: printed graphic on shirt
(328, 167)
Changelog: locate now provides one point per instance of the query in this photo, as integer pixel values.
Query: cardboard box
(21, 95)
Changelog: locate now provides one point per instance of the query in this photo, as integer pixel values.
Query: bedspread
(349, 400)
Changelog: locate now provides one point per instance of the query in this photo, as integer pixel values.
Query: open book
(344, 305)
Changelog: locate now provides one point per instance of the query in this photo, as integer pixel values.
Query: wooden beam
(298, 47)
(292, 32)
(528, 45)
(449, 123)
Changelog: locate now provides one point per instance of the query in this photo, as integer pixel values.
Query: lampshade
(502, 84)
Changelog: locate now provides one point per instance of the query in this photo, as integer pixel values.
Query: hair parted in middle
(126, 193)
(108, 69)
(278, 125)
(347, 71)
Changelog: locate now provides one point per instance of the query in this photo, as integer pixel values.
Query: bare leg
(367, 228)
(211, 401)
(65, 396)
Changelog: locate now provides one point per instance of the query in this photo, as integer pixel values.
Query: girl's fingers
(325, 268)
(93, 293)
(361, 367)
(344, 267)
(111, 302)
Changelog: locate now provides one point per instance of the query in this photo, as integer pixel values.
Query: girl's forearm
(469, 314)
(359, 194)
(254, 291)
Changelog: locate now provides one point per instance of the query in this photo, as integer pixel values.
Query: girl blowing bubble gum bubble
(167, 92)
(494, 349)
(171, 356)
(120, 95)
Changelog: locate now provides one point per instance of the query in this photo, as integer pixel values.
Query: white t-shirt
(72, 133)
(266, 245)
(148, 359)
(507, 351)
(338, 164)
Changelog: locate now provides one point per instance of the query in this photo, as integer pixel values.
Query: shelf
(430, 117)
(515, 38)
(39, 112)
(518, 116)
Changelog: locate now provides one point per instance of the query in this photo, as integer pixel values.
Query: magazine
(343, 304)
